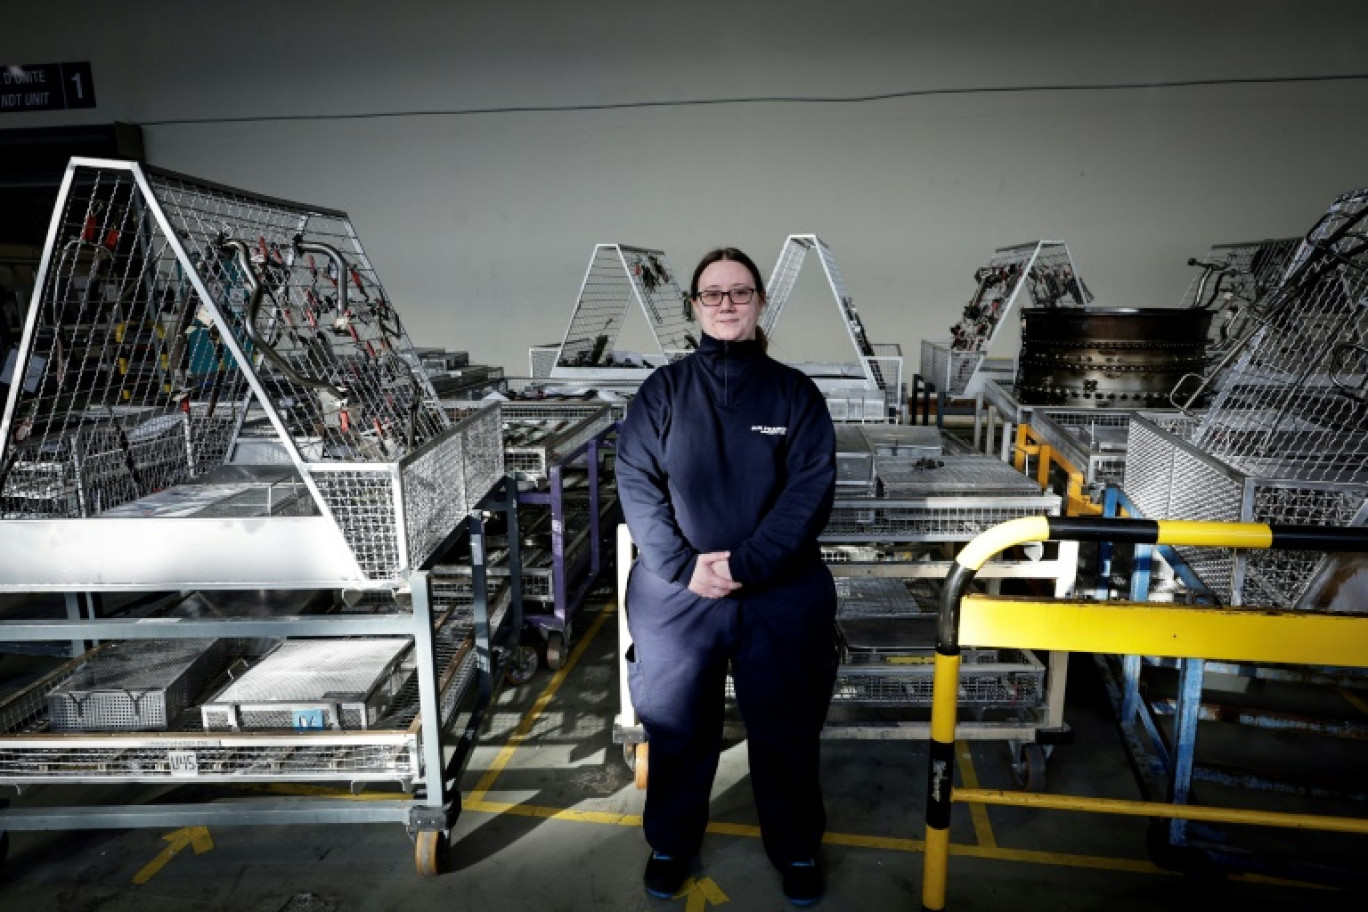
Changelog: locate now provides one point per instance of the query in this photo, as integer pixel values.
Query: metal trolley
(559, 453)
(214, 394)
(889, 553)
(1284, 441)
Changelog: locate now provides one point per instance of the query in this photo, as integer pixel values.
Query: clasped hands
(712, 576)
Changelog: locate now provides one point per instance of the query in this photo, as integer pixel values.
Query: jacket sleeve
(801, 510)
(643, 488)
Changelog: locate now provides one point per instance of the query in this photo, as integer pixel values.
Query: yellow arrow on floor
(196, 837)
(701, 891)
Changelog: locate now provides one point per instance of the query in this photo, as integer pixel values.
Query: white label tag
(183, 763)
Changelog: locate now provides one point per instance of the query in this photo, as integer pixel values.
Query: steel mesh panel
(860, 597)
(210, 438)
(949, 370)
(330, 318)
(134, 685)
(448, 479)
(539, 436)
(928, 519)
(783, 279)
(1006, 678)
(912, 476)
(1234, 281)
(881, 366)
(1301, 378)
(1279, 578)
(541, 359)
(1204, 491)
(1149, 469)
(363, 505)
(618, 277)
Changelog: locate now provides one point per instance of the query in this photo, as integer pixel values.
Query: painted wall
(483, 152)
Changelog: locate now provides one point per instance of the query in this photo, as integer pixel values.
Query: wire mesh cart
(560, 453)
(1284, 440)
(217, 396)
(957, 367)
(1234, 282)
(901, 507)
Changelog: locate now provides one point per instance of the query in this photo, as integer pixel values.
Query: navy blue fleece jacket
(727, 450)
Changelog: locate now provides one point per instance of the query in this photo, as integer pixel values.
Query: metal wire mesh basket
(1043, 270)
(1285, 440)
(1092, 440)
(538, 436)
(310, 684)
(1234, 282)
(175, 320)
(620, 276)
(135, 685)
(878, 366)
(1294, 401)
(1168, 476)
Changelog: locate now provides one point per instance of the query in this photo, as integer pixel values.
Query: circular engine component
(1108, 357)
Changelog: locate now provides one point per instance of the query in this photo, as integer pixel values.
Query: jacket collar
(712, 348)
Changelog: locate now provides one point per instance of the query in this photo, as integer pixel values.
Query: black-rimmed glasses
(713, 297)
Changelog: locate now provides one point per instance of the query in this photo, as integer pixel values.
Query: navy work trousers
(780, 646)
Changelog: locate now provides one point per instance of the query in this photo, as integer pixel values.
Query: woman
(726, 471)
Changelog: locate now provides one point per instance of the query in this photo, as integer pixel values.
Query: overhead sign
(46, 87)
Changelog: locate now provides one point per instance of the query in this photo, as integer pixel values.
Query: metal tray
(309, 684)
(135, 685)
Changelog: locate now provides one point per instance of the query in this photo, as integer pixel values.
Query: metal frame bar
(433, 787)
(1142, 628)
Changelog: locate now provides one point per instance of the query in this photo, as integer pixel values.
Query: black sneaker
(803, 882)
(665, 875)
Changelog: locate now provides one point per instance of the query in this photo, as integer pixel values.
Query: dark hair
(736, 256)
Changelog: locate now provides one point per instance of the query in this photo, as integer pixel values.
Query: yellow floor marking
(550, 813)
(529, 719)
(983, 830)
(196, 837)
(701, 891)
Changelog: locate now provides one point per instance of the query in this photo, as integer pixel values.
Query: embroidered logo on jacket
(770, 431)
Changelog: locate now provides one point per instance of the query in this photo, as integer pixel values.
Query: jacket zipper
(726, 373)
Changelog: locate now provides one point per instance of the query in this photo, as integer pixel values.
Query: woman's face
(728, 321)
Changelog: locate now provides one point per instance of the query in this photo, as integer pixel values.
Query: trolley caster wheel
(555, 650)
(1028, 768)
(638, 758)
(523, 666)
(429, 848)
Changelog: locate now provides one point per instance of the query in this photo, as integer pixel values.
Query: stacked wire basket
(1285, 439)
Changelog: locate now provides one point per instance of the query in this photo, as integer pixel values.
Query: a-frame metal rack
(213, 392)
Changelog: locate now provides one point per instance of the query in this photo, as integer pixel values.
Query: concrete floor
(550, 822)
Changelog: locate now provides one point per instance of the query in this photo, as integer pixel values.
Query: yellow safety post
(1236, 634)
